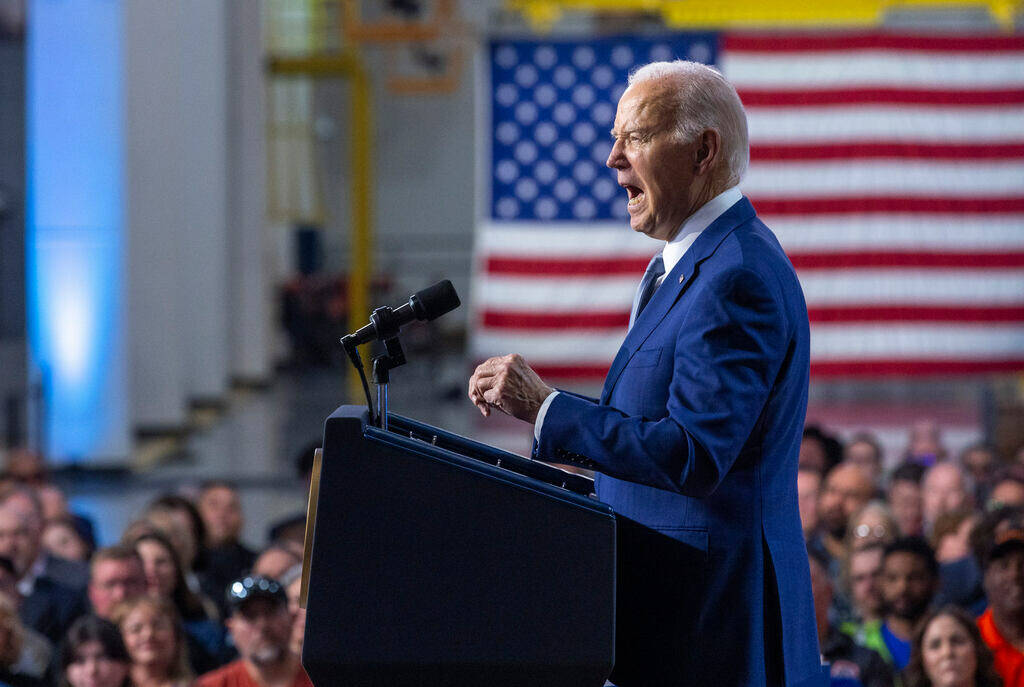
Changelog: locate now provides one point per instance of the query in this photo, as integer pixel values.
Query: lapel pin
(681, 278)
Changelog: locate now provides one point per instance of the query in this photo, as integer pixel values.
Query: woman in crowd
(165, 579)
(872, 524)
(948, 652)
(155, 640)
(93, 655)
(62, 537)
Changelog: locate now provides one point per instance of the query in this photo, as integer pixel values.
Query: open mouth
(636, 194)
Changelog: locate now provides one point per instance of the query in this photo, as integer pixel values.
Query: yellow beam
(750, 13)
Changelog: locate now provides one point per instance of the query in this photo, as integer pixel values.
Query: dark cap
(256, 587)
(1005, 541)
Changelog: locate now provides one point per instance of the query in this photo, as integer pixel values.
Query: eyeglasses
(863, 531)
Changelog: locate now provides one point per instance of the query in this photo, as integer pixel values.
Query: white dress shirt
(671, 254)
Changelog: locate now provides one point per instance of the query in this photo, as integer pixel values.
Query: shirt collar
(696, 223)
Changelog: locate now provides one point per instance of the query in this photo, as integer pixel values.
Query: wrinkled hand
(510, 385)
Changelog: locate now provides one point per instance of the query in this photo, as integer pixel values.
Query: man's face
(262, 630)
(865, 574)
(905, 502)
(808, 483)
(943, 492)
(114, 581)
(907, 585)
(862, 454)
(221, 513)
(981, 463)
(18, 541)
(1009, 492)
(659, 172)
(1004, 584)
(846, 491)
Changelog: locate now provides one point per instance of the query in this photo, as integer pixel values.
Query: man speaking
(696, 434)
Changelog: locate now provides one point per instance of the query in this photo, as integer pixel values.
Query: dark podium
(435, 560)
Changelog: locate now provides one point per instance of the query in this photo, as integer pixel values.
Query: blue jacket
(695, 440)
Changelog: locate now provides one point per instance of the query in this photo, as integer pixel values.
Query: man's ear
(709, 145)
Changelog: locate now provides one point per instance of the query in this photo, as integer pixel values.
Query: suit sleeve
(729, 348)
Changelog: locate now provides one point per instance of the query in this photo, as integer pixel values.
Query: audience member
(924, 445)
(905, 498)
(274, 560)
(819, 451)
(980, 462)
(261, 627)
(1000, 543)
(155, 640)
(959, 574)
(846, 490)
(25, 466)
(1007, 488)
(93, 655)
(944, 488)
(63, 538)
(808, 487)
(948, 651)
(117, 575)
(863, 585)
(25, 501)
(46, 605)
(177, 518)
(850, 664)
(36, 650)
(865, 452)
(165, 580)
(909, 580)
(225, 558)
(12, 650)
(872, 524)
(292, 583)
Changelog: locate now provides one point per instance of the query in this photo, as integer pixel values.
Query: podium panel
(441, 561)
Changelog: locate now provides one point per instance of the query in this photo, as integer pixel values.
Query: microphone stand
(382, 366)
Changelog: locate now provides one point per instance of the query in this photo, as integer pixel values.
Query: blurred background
(198, 198)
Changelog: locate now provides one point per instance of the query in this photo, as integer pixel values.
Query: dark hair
(869, 439)
(117, 552)
(907, 472)
(830, 446)
(915, 546)
(984, 674)
(187, 603)
(91, 628)
(175, 502)
(983, 535)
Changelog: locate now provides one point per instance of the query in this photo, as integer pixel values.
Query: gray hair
(705, 100)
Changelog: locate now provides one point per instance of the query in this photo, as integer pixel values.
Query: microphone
(425, 305)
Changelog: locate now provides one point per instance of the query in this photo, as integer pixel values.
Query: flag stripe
(887, 204)
(871, 150)
(752, 97)
(832, 42)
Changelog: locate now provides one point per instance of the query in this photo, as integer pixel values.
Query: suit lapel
(676, 283)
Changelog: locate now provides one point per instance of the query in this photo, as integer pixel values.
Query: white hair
(705, 100)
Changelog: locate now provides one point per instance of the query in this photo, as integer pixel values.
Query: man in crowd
(865, 452)
(1000, 548)
(910, 578)
(851, 664)
(1008, 488)
(808, 486)
(864, 572)
(905, 498)
(980, 462)
(944, 489)
(224, 558)
(261, 627)
(699, 425)
(117, 575)
(846, 491)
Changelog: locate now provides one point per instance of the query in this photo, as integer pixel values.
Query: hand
(510, 385)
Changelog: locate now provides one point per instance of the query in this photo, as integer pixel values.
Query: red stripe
(841, 314)
(887, 204)
(566, 267)
(846, 314)
(578, 372)
(842, 41)
(892, 368)
(889, 149)
(507, 319)
(886, 96)
(851, 260)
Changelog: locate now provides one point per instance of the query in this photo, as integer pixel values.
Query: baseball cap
(254, 587)
(1006, 541)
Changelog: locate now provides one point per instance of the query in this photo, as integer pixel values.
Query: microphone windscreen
(434, 301)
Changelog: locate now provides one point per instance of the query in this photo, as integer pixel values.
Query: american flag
(890, 166)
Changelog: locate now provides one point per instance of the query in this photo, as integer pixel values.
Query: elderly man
(696, 434)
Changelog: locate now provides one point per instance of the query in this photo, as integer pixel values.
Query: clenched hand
(510, 385)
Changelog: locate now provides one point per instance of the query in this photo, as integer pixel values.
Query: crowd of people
(178, 601)
(917, 572)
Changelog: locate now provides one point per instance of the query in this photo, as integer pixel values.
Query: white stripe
(892, 68)
(589, 348)
(879, 123)
(885, 178)
(898, 232)
(900, 286)
(544, 294)
(601, 239)
(927, 341)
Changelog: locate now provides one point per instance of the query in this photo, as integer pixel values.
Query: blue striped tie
(648, 285)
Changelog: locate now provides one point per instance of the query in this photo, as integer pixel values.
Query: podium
(434, 560)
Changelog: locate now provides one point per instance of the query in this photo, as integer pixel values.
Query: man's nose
(616, 158)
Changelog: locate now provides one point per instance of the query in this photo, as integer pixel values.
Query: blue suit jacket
(695, 440)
